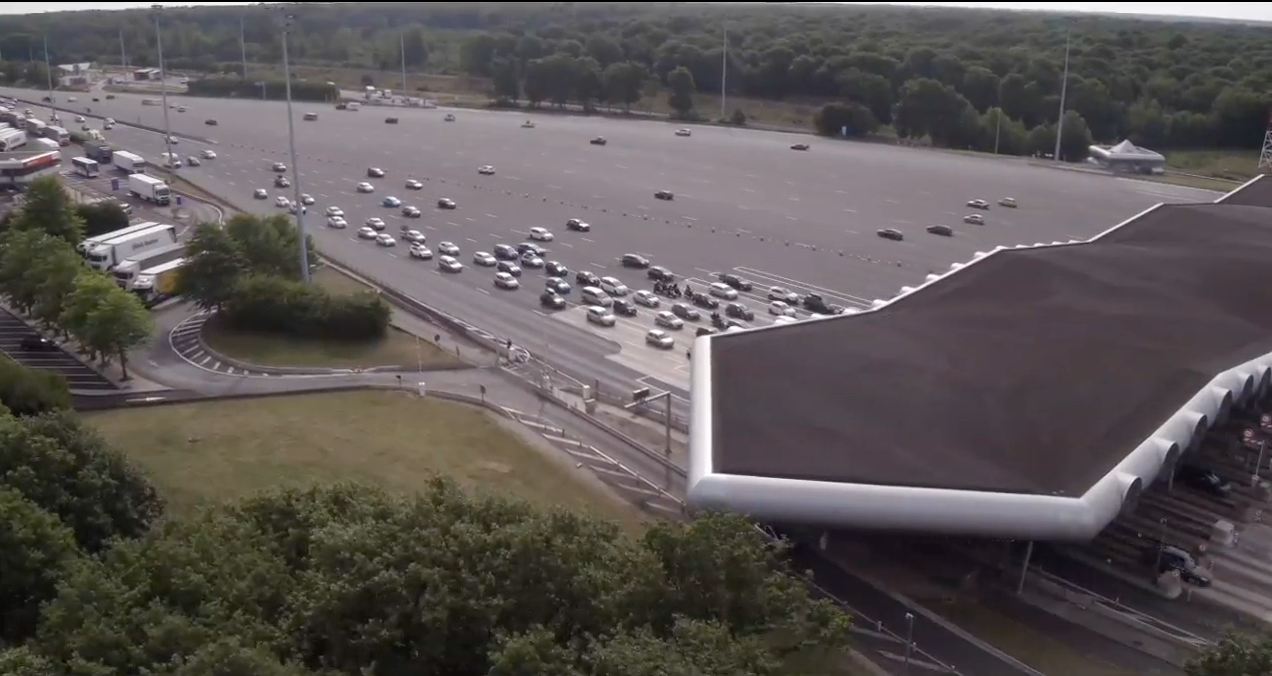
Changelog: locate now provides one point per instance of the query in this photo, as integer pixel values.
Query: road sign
(114, 185)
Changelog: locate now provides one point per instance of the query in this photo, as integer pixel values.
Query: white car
(683, 131)
(783, 294)
(414, 236)
(391, 202)
(281, 202)
(307, 199)
(974, 219)
(421, 252)
(780, 309)
(297, 208)
(335, 211)
(613, 287)
(504, 280)
(540, 235)
(449, 264)
(261, 194)
(279, 167)
(375, 223)
(978, 204)
(660, 339)
(486, 170)
(207, 154)
(527, 125)
(365, 187)
(337, 222)
(448, 248)
(668, 320)
(411, 212)
(646, 298)
(1008, 202)
(193, 161)
(722, 290)
(414, 185)
(485, 259)
(367, 233)
(385, 239)
(601, 316)
(79, 119)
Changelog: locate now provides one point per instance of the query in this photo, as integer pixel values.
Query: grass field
(397, 349)
(214, 451)
(1234, 165)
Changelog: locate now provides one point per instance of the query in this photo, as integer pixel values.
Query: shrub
(272, 304)
(27, 391)
(237, 87)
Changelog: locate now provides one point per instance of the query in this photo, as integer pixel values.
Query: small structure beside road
(1126, 157)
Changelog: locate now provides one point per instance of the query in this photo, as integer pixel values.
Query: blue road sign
(178, 200)
(114, 185)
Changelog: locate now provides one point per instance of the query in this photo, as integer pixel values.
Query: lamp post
(645, 397)
(163, 88)
(1064, 89)
(909, 642)
(291, 144)
(1161, 546)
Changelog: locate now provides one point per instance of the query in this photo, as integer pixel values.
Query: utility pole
(48, 72)
(123, 53)
(243, 46)
(291, 142)
(642, 398)
(1064, 89)
(402, 51)
(724, 74)
(163, 87)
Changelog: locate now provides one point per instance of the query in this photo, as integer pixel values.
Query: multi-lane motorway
(744, 203)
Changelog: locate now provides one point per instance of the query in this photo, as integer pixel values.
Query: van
(594, 296)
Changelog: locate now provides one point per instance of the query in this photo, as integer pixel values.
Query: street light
(641, 398)
(163, 89)
(291, 143)
(909, 641)
(1161, 546)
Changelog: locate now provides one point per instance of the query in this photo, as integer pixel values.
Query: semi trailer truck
(149, 188)
(110, 253)
(126, 272)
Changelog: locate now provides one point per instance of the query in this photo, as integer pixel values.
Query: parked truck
(126, 272)
(45, 144)
(12, 140)
(130, 163)
(98, 150)
(149, 188)
(90, 242)
(158, 283)
(106, 255)
(35, 127)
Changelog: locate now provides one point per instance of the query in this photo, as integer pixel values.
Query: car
(509, 267)
(705, 331)
(385, 239)
(375, 223)
(366, 232)
(505, 252)
(450, 117)
(375, 172)
(208, 154)
(486, 170)
(613, 287)
(816, 304)
(551, 301)
(390, 120)
(942, 230)
(261, 194)
(556, 269)
(800, 146)
(110, 97)
(527, 125)
(664, 195)
(587, 278)
(337, 222)
(1171, 558)
(391, 202)
(448, 248)
(722, 290)
(601, 316)
(702, 300)
(335, 211)
(598, 141)
(557, 285)
(783, 294)
(1203, 479)
(634, 261)
(413, 184)
(449, 264)
(1008, 202)
(421, 252)
(192, 161)
(38, 344)
(445, 203)
(281, 182)
(181, 109)
(295, 208)
(311, 117)
(530, 247)
(279, 167)
(540, 234)
(95, 99)
(578, 225)
(669, 320)
(890, 233)
(974, 219)
(646, 298)
(307, 199)
(978, 204)
(210, 122)
(365, 187)
(172, 141)
(530, 260)
(504, 280)
(780, 309)
(484, 259)
(624, 307)
(683, 131)
(735, 281)
(412, 212)
(739, 311)
(660, 274)
(685, 312)
(416, 237)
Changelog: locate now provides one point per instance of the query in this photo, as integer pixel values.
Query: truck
(98, 150)
(45, 144)
(90, 242)
(110, 253)
(158, 283)
(35, 127)
(12, 140)
(126, 272)
(59, 134)
(149, 188)
(129, 163)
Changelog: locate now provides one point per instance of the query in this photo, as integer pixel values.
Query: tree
(1234, 655)
(102, 217)
(56, 268)
(1076, 138)
(48, 209)
(681, 87)
(20, 252)
(834, 118)
(505, 79)
(269, 245)
(35, 549)
(928, 108)
(117, 324)
(623, 83)
(26, 392)
(213, 265)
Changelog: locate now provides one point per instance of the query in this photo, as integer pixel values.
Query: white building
(1128, 157)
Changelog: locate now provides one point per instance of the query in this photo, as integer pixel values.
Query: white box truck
(90, 242)
(159, 282)
(45, 144)
(148, 188)
(126, 272)
(110, 253)
(129, 163)
(12, 140)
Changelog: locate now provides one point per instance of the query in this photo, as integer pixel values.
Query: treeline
(237, 87)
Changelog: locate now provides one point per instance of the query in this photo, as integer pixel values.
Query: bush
(833, 118)
(739, 117)
(27, 391)
(236, 87)
(102, 217)
(275, 305)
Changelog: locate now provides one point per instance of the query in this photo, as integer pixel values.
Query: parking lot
(13, 331)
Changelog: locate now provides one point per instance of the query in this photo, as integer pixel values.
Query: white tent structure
(1128, 157)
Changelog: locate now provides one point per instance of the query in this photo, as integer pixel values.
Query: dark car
(110, 97)
(624, 308)
(705, 331)
(890, 233)
(531, 248)
(1203, 479)
(815, 303)
(210, 122)
(634, 261)
(555, 269)
(1170, 557)
(390, 120)
(735, 281)
(685, 312)
(598, 141)
(95, 99)
(506, 253)
(585, 278)
(800, 146)
(704, 301)
(281, 182)
(665, 195)
(444, 203)
(552, 301)
(739, 311)
(508, 267)
(942, 230)
(39, 344)
(660, 274)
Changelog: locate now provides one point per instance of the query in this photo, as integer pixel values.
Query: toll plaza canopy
(1027, 394)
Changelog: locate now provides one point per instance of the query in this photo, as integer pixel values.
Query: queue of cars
(943, 230)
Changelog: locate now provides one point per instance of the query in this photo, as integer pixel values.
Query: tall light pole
(402, 51)
(909, 642)
(123, 53)
(724, 74)
(163, 86)
(1064, 89)
(291, 143)
(48, 72)
(243, 46)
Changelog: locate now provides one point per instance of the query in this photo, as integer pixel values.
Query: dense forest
(942, 74)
